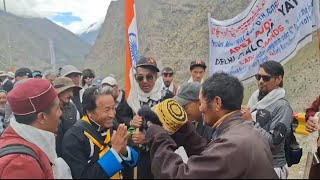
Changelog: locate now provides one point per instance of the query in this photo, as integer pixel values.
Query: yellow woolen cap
(171, 114)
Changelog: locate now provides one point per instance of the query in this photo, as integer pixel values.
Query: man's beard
(167, 84)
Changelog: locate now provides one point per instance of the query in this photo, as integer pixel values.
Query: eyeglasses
(265, 78)
(167, 74)
(148, 77)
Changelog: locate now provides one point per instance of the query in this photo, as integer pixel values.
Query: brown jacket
(239, 151)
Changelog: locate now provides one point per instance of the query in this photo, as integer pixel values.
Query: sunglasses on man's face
(87, 77)
(265, 78)
(167, 74)
(140, 78)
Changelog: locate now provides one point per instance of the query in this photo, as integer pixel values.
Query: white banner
(266, 30)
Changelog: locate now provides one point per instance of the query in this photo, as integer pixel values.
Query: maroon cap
(33, 96)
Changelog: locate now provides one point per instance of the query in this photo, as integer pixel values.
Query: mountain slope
(175, 32)
(30, 42)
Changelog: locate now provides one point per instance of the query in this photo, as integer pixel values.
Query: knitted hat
(171, 114)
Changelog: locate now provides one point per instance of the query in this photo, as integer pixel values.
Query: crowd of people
(75, 124)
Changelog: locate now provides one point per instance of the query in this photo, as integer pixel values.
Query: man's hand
(119, 139)
(138, 137)
(311, 125)
(246, 113)
(136, 121)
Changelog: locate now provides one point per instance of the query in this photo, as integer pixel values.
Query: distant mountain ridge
(91, 33)
(29, 39)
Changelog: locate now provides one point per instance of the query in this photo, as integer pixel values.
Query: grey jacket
(274, 122)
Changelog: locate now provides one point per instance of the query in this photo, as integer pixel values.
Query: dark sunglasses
(149, 77)
(265, 78)
(167, 74)
(86, 77)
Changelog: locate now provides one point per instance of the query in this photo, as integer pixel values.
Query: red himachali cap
(33, 96)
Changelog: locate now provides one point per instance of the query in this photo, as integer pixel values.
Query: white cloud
(89, 11)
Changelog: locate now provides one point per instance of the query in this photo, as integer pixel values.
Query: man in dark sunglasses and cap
(146, 90)
(271, 113)
(167, 77)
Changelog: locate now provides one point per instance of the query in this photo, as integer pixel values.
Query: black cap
(198, 63)
(148, 62)
(23, 72)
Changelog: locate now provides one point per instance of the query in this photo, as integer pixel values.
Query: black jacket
(8, 86)
(67, 120)
(124, 113)
(76, 100)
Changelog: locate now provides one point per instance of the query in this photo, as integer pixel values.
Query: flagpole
(8, 36)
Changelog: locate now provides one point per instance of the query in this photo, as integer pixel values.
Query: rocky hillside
(30, 43)
(175, 32)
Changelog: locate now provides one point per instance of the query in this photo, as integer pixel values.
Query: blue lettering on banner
(217, 44)
(272, 8)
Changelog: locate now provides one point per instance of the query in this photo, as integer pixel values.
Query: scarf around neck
(273, 96)
(46, 142)
(136, 95)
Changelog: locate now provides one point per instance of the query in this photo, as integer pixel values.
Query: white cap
(110, 81)
(2, 73)
(10, 74)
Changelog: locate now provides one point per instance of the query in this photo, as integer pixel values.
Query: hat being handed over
(171, 115)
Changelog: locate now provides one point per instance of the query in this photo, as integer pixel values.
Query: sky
(74, 15)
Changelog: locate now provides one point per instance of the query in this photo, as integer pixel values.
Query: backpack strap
(19, 149)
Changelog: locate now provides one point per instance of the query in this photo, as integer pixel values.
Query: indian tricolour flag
(131, 43)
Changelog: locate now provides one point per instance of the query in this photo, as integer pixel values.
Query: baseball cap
(109, 81)
(36, 73)
(23, 72)
(69, 69)
(10, 74)
(198, 63)
(148, 62)
(97, 81)
(188, 92)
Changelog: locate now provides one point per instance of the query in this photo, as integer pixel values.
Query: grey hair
(106, 90)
